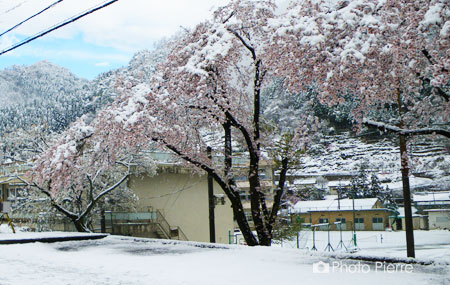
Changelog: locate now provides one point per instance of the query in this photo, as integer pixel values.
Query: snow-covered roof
(305, 181)
(431, 196)
(246, 184)
(338, 183)
(414, 182)
(334, 205)
(437, 210)
(401, 211)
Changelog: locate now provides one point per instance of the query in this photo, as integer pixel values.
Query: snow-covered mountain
(43, 80)
(45, 98)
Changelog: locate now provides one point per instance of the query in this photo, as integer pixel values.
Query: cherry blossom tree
(208, 93)
(377, 51)
(388, 54)
(77, 171)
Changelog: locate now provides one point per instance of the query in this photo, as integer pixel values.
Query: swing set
(341, 244)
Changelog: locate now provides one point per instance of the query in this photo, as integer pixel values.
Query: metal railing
(153, 217)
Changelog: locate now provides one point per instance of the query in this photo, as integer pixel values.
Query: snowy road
(123, 260)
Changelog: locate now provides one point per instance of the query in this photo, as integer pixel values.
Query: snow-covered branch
(407, 132)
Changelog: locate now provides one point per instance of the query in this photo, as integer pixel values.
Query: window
(359, 224)
(442, 219)
(243, 196)
(14, 193)
(359, 220)
(300, 220)
(262, 174)
(323, 221)
(342, 225)
(377, 220)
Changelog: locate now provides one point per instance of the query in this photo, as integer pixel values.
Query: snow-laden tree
(389, 54)
(377, 51)
(208, 93)
(78, 170)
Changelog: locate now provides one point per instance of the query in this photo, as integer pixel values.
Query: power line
(29, 18)
(55, 27)
(13, 8)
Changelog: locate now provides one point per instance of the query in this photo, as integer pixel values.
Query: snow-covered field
(429, 245)
(127, 260)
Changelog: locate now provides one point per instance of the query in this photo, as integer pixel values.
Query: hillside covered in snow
(43, 99)
(343, 154)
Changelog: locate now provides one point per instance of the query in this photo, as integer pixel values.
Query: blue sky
(82, 58)
(99, 42)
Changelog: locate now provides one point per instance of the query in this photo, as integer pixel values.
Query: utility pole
(354, 219)
(212, 227)
(406, 189)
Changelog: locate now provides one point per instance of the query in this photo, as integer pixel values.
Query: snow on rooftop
(338, 183)
(305, 181)
(414, 182)
(401, 211)
(334, 205)
(431, 196)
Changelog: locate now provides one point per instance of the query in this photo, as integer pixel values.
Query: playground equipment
(5, 208)
(341, 244)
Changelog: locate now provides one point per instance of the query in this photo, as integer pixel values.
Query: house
(11, 188)
(420, 222)
(336, 186)
(367, 214)
(431, 200)
(305, 183)
(438, 218)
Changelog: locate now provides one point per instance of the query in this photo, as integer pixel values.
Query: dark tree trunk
(80, 225)
(410, 251)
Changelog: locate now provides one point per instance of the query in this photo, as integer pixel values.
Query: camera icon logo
(321, 267)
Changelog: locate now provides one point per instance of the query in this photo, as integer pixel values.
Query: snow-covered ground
(429, 245)
(127, 260)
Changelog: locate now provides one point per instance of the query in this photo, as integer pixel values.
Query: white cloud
(128, 25)
(102, 64)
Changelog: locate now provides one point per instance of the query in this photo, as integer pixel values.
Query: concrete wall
(182, 198)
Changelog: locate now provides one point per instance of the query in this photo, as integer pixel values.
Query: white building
(438, 218)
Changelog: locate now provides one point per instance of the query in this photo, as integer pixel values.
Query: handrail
(156, 218)
(165, 227)
(181, 235)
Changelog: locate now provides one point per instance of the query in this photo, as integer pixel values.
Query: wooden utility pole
(406, 188)
(212, 227)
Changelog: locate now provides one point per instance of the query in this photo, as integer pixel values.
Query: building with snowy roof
(362, 214)
(431, 200)
(420, 222)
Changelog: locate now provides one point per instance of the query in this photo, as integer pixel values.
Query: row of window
(13, 193)
(376, 220)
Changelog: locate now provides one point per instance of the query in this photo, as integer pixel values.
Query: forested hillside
(43, 99)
